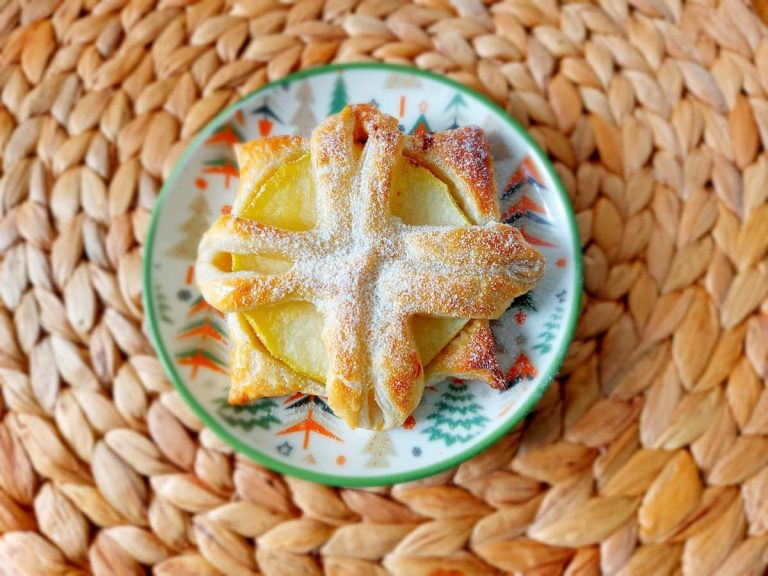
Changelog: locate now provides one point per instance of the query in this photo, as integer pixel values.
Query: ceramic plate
(299, 435)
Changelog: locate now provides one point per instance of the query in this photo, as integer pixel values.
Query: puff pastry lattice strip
(366, 271)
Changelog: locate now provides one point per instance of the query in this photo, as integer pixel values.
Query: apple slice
(419, 198)
(263, 264)
(433, 333)
(286, 199)
(291, 332)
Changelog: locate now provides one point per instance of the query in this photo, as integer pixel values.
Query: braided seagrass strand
(648, 455)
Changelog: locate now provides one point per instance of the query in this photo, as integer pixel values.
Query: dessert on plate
(362, 264)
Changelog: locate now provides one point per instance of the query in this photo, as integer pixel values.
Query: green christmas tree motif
(339, 97)
(453, 107)
(421, 126)
(192, 230)
(304, 119)
(456, 417)
(226, 167)
(259, 414)
(545, 338)
(379, 447)
(163, 308)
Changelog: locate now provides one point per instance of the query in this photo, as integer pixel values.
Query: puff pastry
(366, 271)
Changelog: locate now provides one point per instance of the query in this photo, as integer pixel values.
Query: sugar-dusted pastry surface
(292, 332)
(372, 263)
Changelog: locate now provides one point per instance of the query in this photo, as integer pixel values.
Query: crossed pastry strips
(365, 270)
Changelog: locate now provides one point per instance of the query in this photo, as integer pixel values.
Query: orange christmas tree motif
(227, 134)
(526, 172)
(267, 118)
(308, 426)
(421, 126)
(200, 305)
(223, 166)
(536, 241)
(526, 207)
(207, 340)
(202, 329)
(200, 359)
(521, 369)
(293, 397)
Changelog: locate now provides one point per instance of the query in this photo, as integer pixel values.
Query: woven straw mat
(648, 455)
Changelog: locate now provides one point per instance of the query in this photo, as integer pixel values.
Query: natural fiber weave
(649, 455)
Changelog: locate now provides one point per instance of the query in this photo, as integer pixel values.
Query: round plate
(299, 435)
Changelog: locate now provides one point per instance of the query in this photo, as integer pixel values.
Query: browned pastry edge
(470, 355)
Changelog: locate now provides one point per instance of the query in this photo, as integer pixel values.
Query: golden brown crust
(461, 157)
(240, 291)
(366, 271)
(397, 369)
(471, 355)
(494, 244)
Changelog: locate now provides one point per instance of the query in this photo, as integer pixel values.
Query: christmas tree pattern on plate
(379, 449)
(300, 430)
(261, 414)
(204, 340)
(311, 415)
(456, 418)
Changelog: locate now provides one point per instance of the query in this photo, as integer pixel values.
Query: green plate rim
(385, 479)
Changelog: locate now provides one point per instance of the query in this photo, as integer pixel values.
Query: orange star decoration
(399, 297)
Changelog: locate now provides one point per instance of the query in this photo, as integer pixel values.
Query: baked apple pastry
(361, 264)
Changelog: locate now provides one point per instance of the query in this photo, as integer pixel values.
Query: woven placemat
(649, 454)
